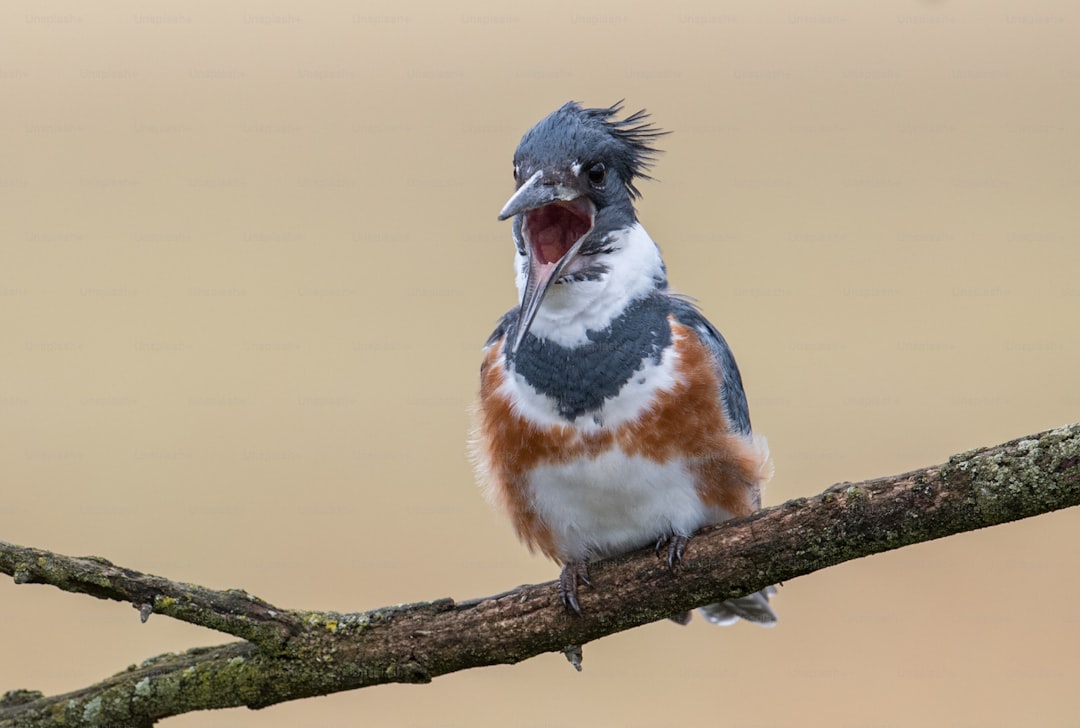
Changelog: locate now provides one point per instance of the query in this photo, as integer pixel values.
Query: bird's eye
(596, 174)
(517, 171)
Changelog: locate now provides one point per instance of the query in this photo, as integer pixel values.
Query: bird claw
(676, 546)
(572, 573)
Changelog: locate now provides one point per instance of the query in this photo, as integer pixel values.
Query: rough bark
(289, 654)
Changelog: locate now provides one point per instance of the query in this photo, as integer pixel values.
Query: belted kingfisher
(611, 413)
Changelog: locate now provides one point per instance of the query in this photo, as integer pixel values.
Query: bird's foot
(676, 545)
(572, 573)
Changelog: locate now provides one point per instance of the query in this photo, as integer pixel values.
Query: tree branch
(233, 611)
(290, 654)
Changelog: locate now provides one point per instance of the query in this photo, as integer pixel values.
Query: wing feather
(732, 395)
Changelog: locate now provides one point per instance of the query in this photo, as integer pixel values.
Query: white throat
(571, 309)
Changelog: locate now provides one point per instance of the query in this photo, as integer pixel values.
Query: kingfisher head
(575, 173)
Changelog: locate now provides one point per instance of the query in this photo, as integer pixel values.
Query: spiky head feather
(585, 136)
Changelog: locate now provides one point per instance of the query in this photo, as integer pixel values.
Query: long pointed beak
(546, 234)
(536, 192)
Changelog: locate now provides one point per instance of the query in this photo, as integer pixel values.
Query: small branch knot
(145, 610)
(20, 697)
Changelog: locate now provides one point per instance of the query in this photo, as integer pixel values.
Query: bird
(611, 414)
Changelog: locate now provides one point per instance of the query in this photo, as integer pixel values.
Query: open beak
(556, 220)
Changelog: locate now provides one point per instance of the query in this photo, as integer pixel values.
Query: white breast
(614, 503)
(571, 310)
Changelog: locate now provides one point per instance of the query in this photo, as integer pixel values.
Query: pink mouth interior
(553, 229)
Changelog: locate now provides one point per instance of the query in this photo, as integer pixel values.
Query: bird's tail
(753, 608)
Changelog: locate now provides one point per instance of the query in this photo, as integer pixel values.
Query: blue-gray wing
(732, 396)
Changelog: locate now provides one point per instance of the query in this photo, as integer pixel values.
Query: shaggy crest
(626, 143)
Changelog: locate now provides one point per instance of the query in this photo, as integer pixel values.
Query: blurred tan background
(248, 256)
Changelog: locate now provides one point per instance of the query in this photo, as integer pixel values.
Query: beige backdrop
(249, 255)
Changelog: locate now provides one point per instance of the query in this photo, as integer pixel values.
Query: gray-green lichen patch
(142, 688)
(857, 494)
(1020, 479)
(91, 712)
(157, 659)
(333, 622)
